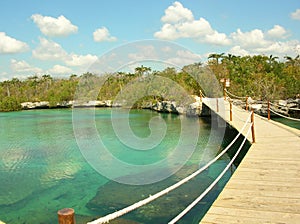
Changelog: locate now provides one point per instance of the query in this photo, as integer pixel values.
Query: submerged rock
(114, 196)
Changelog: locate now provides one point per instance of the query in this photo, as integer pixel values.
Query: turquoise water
(291, 123)
(42, 169)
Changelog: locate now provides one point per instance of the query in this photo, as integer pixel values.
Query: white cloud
(49, 50)
(184, 57)
(60, 70)
(277, 32)
(80, 60)
(196, 28)
(54, 27)
(217, 39)
(9, 45)
(23, 67)
(237, 50)
(296, 15)
(254, 38)
(167, 32)
(144, 52)
(102, 34)
(176, 13)
(180, 23)
(280, 48)
(192, 29)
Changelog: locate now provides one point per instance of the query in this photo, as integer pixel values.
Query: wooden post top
(66, 216)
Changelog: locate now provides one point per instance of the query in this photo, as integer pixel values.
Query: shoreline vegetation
(261, 77)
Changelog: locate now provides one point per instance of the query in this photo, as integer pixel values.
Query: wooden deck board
(265, 188)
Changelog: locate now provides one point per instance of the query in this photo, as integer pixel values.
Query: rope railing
(151, 198)
(235, 96)
(293, 109)
(281, 115)
(210, 187)
(238, 117)
(263, 102)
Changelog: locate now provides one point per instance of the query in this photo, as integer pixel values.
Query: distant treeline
(261, 77)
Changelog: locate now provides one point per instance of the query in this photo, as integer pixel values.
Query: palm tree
(216, 57)
(142, 70)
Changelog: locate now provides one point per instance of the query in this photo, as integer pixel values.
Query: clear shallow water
(42, 169)
(291, 123)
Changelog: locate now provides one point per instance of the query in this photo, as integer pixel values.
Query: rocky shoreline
(194, 109)
(290, 108)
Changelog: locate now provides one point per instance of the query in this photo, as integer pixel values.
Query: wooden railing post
(230, 103)
(66, 216)
(252, 126)
(217, 105)
(269, 113)
(247, 103)
(224, 89)
(200, 96)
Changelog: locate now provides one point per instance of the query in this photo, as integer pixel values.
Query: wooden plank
(262, 191)
(237, 215)
(266, 186)
(261, 203)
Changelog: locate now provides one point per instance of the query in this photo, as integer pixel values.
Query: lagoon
(43, 170)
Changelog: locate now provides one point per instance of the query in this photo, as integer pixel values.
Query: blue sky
(60, 37)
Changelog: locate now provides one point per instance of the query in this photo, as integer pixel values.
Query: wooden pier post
(247, 103)
(224, 89)
(230, 103)
(200, 96)
(269, 113)
(66, 216)
(252, 126)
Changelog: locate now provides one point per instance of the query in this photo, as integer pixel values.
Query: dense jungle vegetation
(261, 77)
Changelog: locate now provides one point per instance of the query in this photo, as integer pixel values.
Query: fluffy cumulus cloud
(23, 67)
(60, 70)
(272, 41)
(217, 38)
(277, 32)
(80, 60)
(296, 15)
(102, 34)
(252, 39)
(237, 50)
(179, 22)
(49, 50)
(54, 27)
(176, 13)
(9, 45)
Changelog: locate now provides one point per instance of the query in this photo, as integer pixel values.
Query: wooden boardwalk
(266, 186)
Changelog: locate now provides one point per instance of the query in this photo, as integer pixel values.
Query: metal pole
(252, 126)
(269, 113)
(66, 216)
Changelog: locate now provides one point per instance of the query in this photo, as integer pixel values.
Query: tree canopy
(259, 76)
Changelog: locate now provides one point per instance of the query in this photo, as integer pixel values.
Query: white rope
(290, 118)
(235, 96)
(151, 198)
(195, 202)
(294, 109)
(238, 117)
